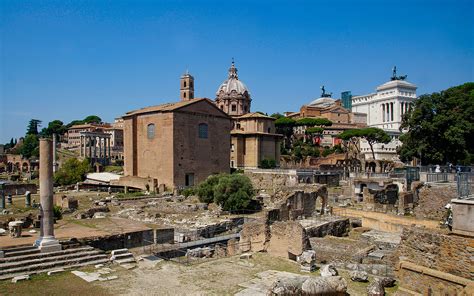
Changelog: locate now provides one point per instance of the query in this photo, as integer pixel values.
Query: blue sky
(69, 59)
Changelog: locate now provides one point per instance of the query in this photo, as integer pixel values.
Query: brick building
(176, 144)
(326, 107)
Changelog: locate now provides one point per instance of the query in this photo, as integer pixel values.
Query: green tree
(268, 163)
(440, 127)
(308, 122)
(92, 119)
(372, 135)
(74, 122)
(327, 151)
(205, 190)
(72, 171)
(284, 126)
(32, 128)
(277, 115)
(30, 146)
(314, 132)
(54, 127)
(233, 192)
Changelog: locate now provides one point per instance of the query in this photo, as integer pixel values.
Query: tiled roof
(166, 107)
(255, 115)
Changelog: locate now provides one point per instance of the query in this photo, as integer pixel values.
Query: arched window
(184, 83)
(203, 131)
(184, 94)
(150, 131)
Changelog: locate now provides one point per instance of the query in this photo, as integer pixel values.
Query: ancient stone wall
(272, 182)
(432, 200)
(428, 281)
(336, 227)
(163, 235)
(382, 221)
(20, 189)
(288, 240)
(302, 204)
(254, 236)
(120, 241)
(438, 250)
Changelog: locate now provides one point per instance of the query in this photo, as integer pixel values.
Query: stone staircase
(122, 256)
(29, 260)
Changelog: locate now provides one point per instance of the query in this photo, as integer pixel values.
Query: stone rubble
(328, 270)
(308, 261)
(359, 276)
(376, 288)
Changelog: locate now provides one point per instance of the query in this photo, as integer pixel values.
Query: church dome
(232, 85)
(323, 102)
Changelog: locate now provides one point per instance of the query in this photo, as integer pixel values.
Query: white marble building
(384, 110)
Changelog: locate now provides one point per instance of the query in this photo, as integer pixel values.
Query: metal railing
(465, 184)
(436, 177)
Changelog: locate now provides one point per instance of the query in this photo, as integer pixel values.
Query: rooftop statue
(324, 94)
(394, 75)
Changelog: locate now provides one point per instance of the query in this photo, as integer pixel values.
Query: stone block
(20, 278)
(328, 270)
(55, 271)
(463, 216)
(246, 256)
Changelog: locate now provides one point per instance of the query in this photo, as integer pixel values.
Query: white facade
(384, 110)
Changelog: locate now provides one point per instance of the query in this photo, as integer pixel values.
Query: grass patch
(113, 168)
(64, 283)
(129, 194)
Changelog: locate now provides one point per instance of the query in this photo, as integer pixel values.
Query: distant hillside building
(177, 144)
(384, 110)
(327, 107)
(253, 135)
(76, 139)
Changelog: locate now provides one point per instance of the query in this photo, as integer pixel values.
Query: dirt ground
(214, 277)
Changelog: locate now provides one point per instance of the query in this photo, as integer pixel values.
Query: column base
(48, 244)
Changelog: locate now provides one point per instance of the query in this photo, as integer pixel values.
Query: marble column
(383, 112)
(108, 144)
(90, 146)
(100, 147)
(54, 154)
(80, 145)
(46, 242)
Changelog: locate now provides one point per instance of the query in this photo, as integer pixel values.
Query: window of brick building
(234, 108)
(189, 180)
(150, 131)
(203, 132)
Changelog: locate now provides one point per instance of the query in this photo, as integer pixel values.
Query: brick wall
(432, 200)
(434, 262)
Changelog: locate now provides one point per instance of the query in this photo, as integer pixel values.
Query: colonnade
(95, 145)
(388, 112)
(404, 107)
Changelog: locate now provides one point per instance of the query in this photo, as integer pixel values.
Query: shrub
(205, 190)
(268, 163)
(72, 171)
(57, 214)
(233, 192)
(188, 191)
(327, 151)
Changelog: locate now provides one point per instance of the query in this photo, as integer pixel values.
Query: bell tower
(186, 89)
